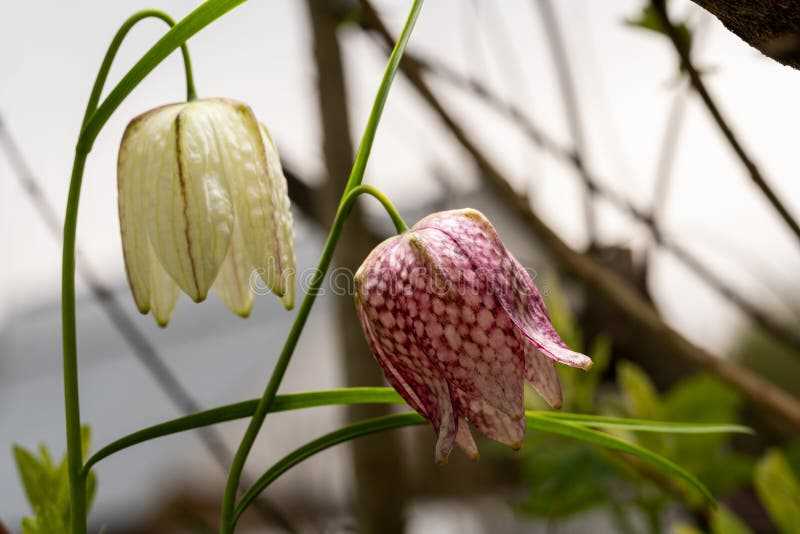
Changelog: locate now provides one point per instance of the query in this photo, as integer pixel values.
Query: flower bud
(458, 327)
(203, 203)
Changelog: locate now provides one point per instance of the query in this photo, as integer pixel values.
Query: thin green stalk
(94, 120)
(367, 138)
(268, 398)
(113, 48)
(202, 16)
(77, 487)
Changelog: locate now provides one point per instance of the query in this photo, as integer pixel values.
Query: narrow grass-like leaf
(643, 425)
(573, 430)
(355, 430)
(374, 395)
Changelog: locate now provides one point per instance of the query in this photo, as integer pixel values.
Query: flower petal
(465, 440)
(233, 282)
(135, 164)
(163, 291)
(465, 333)
(259, 194)
(390, 337)
(282, 216)
(508, 281)
(192, 213)
(541, 374)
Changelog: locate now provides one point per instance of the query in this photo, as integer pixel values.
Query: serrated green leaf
(724, 522)
(779, 491)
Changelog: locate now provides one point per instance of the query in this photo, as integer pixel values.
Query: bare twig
(142, 348)
(699, 86)
(604, 283)
(569, 97)
(540, 138)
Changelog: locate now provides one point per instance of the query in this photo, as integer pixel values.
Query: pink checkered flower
(458, 326)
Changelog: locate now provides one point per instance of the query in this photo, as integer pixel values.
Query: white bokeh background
(260, 53)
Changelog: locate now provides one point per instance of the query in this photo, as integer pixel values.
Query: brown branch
(699, 86)
(569, 98)
(770, 26)
(604, 283)
(771, 326)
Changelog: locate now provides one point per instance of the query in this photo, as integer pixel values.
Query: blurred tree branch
(603, 283)
(770, 26)
(770, 325)
(699, 86)
(569, 98)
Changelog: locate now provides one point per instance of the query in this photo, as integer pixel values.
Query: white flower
(203, 203)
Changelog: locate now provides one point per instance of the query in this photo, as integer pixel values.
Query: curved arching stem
(265, 404)
(94, 120)
(113, 48)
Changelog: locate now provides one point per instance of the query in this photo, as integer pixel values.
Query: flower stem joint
(203, 203)
(458, 326)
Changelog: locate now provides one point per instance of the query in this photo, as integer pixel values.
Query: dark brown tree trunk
(377, 460)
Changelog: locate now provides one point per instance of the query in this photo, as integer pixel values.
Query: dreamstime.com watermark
(340, 281)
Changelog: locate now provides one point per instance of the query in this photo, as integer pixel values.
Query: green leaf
(643, 425)
(564, 428)
(724, 522)
(350, 432)
(639, 393)
(35, 477)
(648, 19)
(779, 491)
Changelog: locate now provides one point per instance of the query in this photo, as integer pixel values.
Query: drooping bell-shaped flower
(458, 327)
(203, 203)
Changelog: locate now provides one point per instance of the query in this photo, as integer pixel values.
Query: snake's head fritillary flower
(458, 327)
(203, 203)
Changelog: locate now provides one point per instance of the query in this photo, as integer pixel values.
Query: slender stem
(355, 178)
(202, 16)
(367, 138)
(94, 120)
(77, 485)
(113, 48)
(265, 404)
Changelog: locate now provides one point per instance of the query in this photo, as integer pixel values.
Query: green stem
(113, 48)
(94, 119)
(202, 16)
(77, 487)
(268, 398)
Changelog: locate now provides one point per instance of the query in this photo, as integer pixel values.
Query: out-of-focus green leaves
(724, 522)
(779, 491)
(647, 19)
(46, 486)
(721, 521)
(565, 476)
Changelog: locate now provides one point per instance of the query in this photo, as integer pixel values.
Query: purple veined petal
(381, 312)
(541, 374)
(508, 281)
(475, 353)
